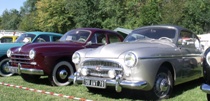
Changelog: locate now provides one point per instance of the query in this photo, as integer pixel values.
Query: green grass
(185, 92)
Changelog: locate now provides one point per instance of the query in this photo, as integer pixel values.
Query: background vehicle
(151, 59)
(27, 37)
(205, 40)
(205, 87)
(8, 39)
(54, 59)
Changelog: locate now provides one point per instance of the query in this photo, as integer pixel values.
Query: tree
(11, 19)
(28, 15)
(197, 16)
(151, 12)
(53, 16)
(1, 22)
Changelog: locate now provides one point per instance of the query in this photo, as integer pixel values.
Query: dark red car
(54, 59)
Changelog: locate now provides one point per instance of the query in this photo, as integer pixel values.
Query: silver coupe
(152, 59)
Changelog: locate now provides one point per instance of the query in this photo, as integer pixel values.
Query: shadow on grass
(140, 95)
(42, 81)
(179, 89)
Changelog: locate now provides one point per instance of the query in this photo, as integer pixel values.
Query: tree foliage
(63, 15)
(10, 19)
(53, 16)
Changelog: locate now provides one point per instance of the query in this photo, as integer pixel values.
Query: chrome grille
(101, 68)
(101, 63)
(20, 58)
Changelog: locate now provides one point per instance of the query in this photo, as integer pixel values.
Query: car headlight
(130, 59)
(9, 52)
(208, 58)
(32, 54)
(76, 58)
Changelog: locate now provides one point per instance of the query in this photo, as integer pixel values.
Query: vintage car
(152, 59)
(54, 59)
(205, 87)
(8, 39)
(27, 37)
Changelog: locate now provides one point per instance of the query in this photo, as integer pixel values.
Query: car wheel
(3, 71)
(60, 74)
(208, 97)
(30, 78)
(163, 85)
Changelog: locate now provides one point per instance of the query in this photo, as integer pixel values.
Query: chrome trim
(118, 83)
(28, 63)
(33, 63)
(170, 56)
(98, 60)
(20, 58)
(104, 68)
(19, 55)
(205, 88)
(26, 70)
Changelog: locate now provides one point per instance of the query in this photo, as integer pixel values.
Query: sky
(10, 4)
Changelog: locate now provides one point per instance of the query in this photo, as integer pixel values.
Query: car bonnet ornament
(98, 68)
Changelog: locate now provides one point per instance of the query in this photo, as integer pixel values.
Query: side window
(188, 40)
(113, 38)
(43, 38)
(56, 38)
(6, 40)
(99, 38)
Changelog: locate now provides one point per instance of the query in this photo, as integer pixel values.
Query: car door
(43, 38)
(97, 39)
(191, 55)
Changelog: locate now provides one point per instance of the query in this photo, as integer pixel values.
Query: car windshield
(25, 38)
(76, 36)
(150, 33)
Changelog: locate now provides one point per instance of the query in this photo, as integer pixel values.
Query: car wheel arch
(55, 79)
(65, 59)
(166, 69)
(3, 57)
(56, 61)
(169, 66)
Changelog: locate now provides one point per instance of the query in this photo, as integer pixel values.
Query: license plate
(95, 83)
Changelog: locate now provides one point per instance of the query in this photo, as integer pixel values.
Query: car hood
(6, 46)
(50, 46)
(116, 49)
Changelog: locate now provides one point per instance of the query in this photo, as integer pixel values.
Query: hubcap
(5, 68)
(63, 74)
(162, 85)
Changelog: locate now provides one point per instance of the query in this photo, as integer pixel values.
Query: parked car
(205, 87)
(54, 59)
(152, 59)
(8, 39)
(27, 37)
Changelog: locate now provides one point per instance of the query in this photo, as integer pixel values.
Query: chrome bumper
(205, 88)
(117, 83)
(20, 70)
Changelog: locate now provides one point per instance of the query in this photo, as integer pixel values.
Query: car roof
(38, 33)
(10, 36)
(173, 26)
(96, 29)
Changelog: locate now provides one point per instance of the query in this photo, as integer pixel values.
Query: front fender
(206, 67)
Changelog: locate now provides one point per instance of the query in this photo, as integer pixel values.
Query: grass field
(185, 92)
